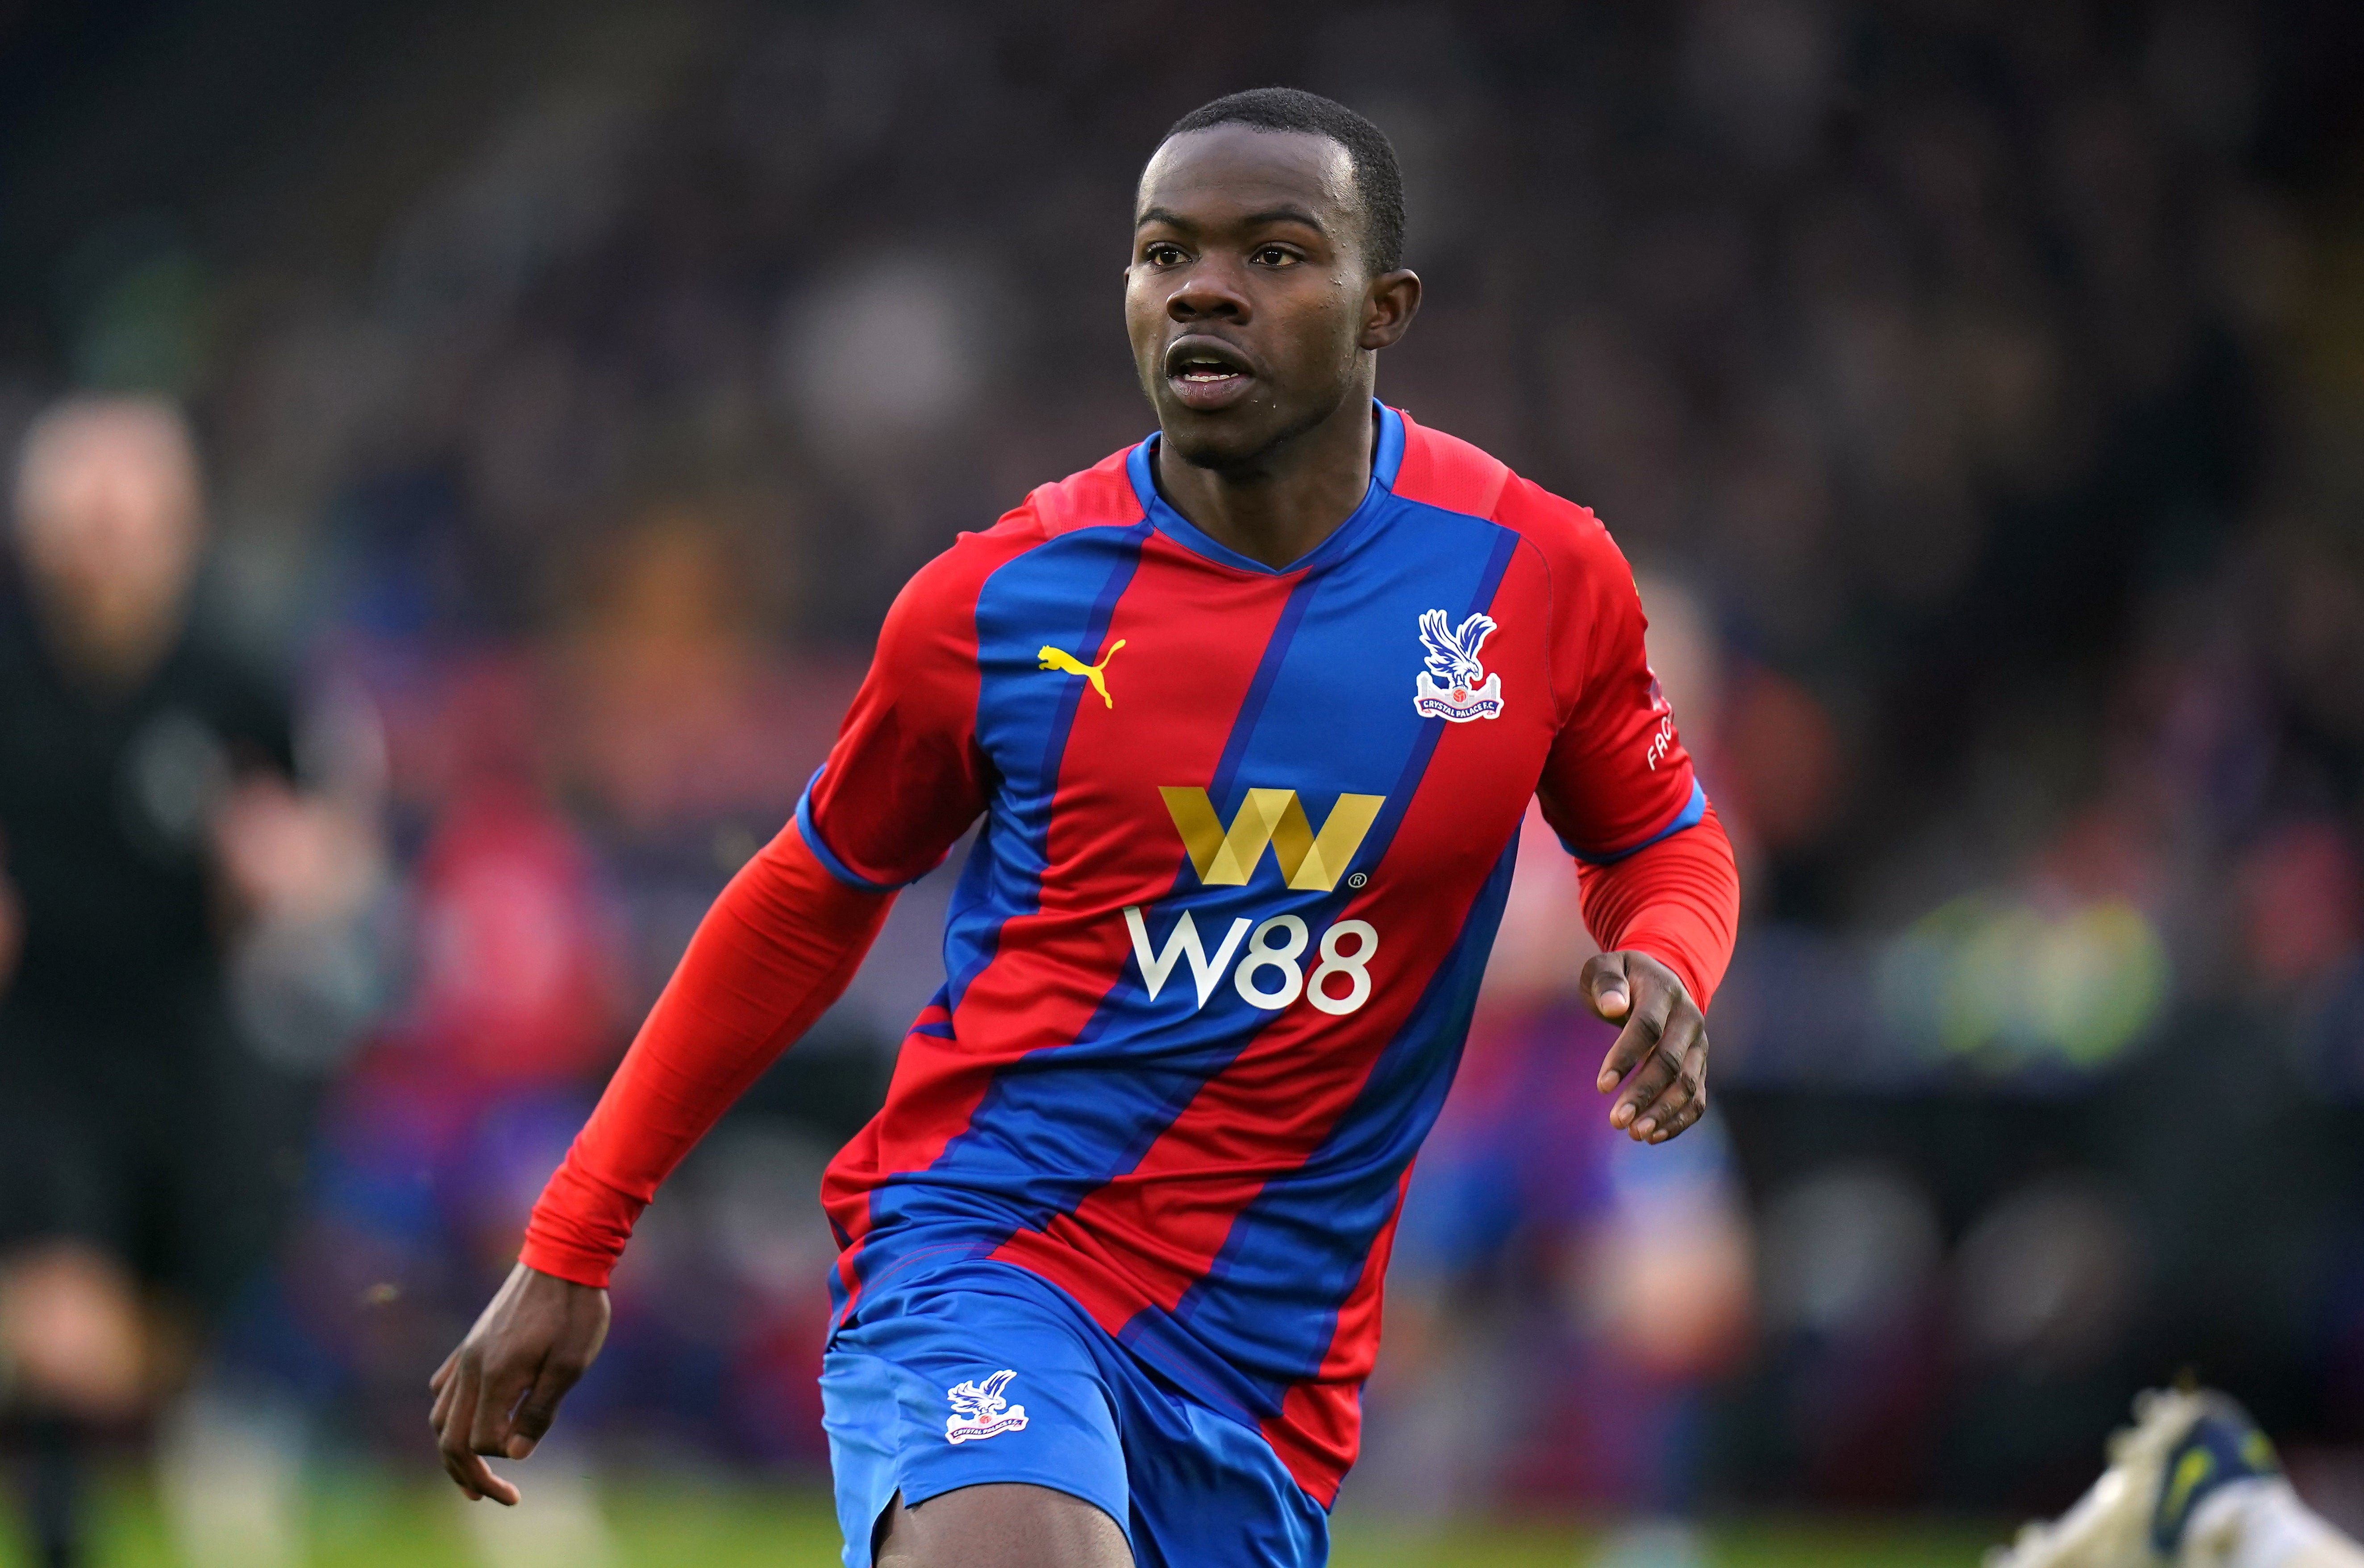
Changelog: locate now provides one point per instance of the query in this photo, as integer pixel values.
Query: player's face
(1251, 309)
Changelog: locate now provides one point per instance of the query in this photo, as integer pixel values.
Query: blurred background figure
(151, 805)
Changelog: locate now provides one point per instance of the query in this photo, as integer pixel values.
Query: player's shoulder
(1102, 496)
(1099, 496)
(1445, 471)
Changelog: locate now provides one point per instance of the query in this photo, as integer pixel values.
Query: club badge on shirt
(979, 1411)
(1455, 686)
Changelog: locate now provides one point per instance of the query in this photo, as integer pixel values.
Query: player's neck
(1293, 497)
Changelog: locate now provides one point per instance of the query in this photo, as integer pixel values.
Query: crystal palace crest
(1455, 686)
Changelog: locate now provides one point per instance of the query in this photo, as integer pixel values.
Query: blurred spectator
(149, 802)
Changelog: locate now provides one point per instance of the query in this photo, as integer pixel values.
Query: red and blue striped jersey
(1246, 836)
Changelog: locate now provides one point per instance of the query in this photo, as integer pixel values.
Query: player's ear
(1389, 305)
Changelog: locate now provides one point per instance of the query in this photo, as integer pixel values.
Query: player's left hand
(1663, 1046)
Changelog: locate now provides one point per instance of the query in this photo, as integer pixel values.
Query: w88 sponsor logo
(1269, 973)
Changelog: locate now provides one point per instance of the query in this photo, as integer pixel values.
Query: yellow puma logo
(1060, 658)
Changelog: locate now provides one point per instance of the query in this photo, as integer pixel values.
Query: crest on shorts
(979, 1411)
(1455, 686)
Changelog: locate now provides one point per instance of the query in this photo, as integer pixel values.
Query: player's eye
(1272, 256)
(1162, 254)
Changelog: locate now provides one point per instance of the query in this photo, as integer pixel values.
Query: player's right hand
(499, 1391)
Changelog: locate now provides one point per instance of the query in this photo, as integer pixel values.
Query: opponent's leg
(2260, 1523)
(2193, 1484)
(1000, 1525)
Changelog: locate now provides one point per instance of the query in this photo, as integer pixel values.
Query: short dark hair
(1378, 179)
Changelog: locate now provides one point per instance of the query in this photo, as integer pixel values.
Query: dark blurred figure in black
(147, 810)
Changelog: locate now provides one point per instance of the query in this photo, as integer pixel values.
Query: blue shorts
(985, 1372)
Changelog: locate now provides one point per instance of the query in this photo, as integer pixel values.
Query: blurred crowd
(1977, 390)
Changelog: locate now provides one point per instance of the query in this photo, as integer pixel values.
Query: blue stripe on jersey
(1243, 723)
(1694, 811)
(1295, 1254)
(1027, 601)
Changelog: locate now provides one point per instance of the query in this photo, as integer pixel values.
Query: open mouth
(1206, 372)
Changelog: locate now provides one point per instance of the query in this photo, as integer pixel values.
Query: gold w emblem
(1060, 658)
(1226, 855)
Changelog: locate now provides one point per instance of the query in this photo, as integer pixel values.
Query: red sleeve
(1655, 871)
(1677, 900)
(774, 953)
(907, 776)
(1618, 777)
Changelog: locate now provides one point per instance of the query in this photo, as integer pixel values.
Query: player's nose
(1206, 290)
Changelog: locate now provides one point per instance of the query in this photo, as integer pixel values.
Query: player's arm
(1661, 891)
(903, 782)
(777, 948)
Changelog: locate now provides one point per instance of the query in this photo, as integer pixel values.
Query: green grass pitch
(365, 1520)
